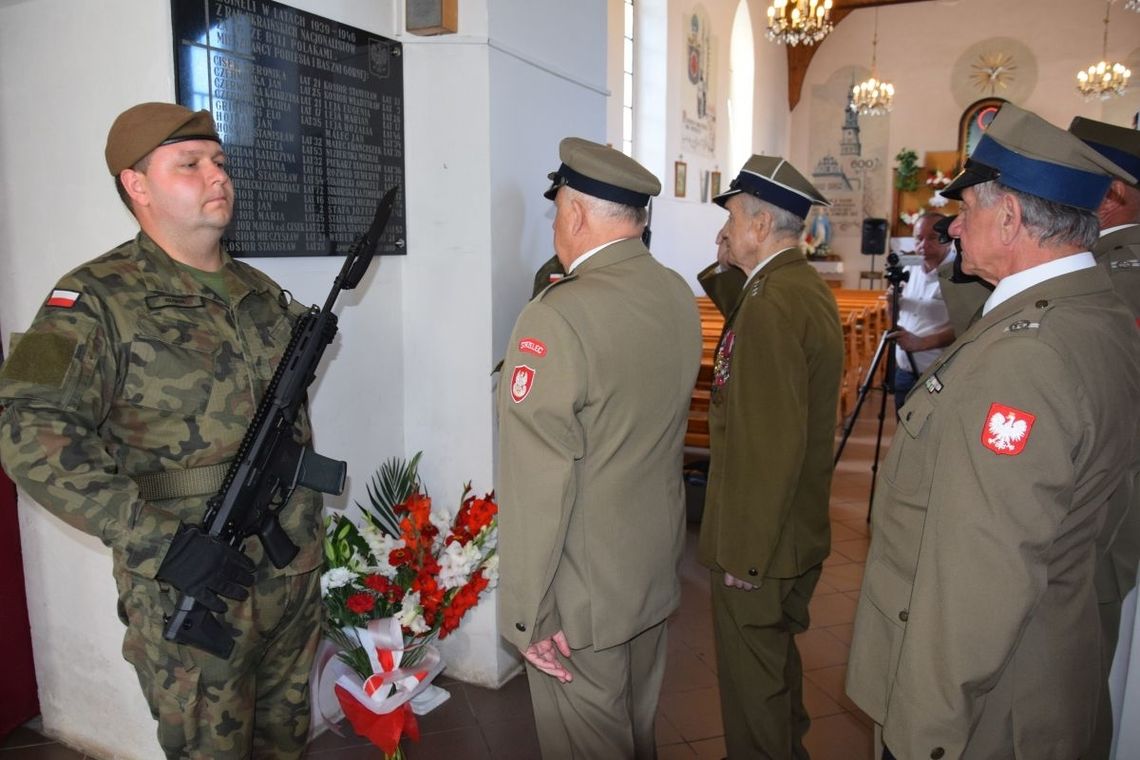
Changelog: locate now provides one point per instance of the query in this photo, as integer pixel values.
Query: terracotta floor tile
(855, 549)
(515, 739)
(842, 632)
(831, 609)
(675, 752)
(858, 525)
(831, 680)
(710, 749)
(839, 737)
(467, 743)
(686, 671)
(816, 701)
(819, 649)
(664, 732)
(844, 577)
(695, 714)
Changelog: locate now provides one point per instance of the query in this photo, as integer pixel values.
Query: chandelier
(795, 22)
(1132, 5)
(1103, 80)
(872, 97)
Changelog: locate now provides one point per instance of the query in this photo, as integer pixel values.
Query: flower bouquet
(405, 575)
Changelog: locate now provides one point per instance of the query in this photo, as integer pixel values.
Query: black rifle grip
(278, 546)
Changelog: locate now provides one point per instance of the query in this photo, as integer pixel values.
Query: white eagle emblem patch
(1006, 430)
(522, 380)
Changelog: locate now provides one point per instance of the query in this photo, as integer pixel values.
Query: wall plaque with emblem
(311, 114)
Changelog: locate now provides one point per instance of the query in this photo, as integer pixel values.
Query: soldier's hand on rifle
(206, 568)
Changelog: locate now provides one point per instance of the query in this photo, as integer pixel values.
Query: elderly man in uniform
(593, 406)
(1118, 251)
(976, 634)
(123, 404)
(765, 530)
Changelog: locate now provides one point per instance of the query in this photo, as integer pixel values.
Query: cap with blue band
(1054, 182)
(1120, 145)
(1026, 153)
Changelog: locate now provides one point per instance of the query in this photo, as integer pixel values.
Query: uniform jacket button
(903, 617)
(753, 572)
(937, 753)
(520, 626)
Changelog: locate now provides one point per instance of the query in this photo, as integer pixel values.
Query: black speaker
(875, 236)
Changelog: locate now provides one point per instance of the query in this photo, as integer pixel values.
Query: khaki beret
(774, 180)
(1023, 151)
(142, 128)
(1120, 145)
(602, 172)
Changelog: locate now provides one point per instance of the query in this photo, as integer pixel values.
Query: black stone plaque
(311, 114)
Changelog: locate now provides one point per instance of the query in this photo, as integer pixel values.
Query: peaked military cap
(602, 172)
(772, 179)
(1023, 151)
(1120, 145)
(142, 128)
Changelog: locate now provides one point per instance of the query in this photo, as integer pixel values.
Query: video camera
(895, 274)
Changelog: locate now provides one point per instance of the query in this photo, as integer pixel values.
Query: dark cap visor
(973, 174)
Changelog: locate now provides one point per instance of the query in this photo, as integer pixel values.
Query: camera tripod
(895, 275)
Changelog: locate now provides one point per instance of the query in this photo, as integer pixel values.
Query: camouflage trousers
(254, 704)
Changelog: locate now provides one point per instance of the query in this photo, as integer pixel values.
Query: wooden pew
(864, 316)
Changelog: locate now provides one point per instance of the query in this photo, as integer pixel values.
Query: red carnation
(360, 603)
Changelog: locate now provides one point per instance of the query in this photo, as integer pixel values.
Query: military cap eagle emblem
(1006, 430)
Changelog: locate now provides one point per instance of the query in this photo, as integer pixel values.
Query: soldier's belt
(179, 484)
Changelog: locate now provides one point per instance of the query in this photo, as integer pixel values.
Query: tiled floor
(478, 724)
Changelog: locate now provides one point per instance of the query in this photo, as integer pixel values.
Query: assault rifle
(270, 463)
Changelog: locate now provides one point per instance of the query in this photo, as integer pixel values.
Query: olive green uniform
(1119, 543)
(135, 367)
(772, 434)
(975, 635)
(593, 405)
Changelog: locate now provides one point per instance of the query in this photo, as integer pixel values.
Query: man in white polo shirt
(924, 323)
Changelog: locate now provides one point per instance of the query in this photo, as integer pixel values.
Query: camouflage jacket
(131, 367)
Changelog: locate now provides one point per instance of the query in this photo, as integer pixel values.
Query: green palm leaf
(393, 482)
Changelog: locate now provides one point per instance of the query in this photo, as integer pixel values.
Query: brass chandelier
(1103, 79)
(873, 97)
(795, 22)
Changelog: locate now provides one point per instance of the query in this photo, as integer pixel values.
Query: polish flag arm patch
(64, 299)
(1006, 430)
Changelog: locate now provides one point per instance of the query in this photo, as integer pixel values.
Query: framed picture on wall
(679, 178)
(973, 124)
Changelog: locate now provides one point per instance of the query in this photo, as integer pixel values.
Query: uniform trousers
(254, 704)
(608, 709)
(758, 665)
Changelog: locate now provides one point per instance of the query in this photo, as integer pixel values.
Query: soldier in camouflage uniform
(122, 406)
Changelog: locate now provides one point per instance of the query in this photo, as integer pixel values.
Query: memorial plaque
(311, 114)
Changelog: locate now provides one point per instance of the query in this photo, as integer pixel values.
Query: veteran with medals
(593, 405)
(775, 390)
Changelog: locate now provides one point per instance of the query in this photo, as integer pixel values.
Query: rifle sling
(179, 484)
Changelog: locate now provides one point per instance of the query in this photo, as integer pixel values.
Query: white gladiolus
(410, 615)
(491, 571)
(381, 545)
(457, 564)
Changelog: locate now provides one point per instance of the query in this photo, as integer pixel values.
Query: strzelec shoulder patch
(41, 358)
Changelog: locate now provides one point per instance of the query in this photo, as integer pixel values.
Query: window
(741, 76)
(627, 82)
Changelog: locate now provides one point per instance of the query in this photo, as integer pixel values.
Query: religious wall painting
(848, 157)
(698, 92)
